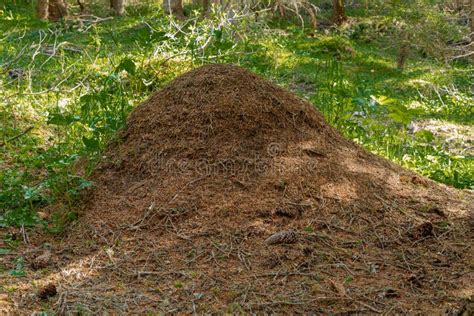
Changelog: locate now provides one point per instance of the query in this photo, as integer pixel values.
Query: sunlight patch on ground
(458, 138)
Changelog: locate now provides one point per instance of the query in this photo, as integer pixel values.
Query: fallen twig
(17, 136)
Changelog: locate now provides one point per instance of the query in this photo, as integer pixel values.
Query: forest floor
(66, 89)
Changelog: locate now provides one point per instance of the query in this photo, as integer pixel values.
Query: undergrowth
(67, 88)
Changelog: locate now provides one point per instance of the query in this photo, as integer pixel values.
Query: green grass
(79, 97)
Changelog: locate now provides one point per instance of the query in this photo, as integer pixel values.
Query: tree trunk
(402, 56)
(174, 7)
(205, 7)
(81, 5)
(42, 9)
(338, 12)
(312, 15)
(57, 10)
(472, 19)
(278, 6)
(204, 4)
(403, 50)
(117, 6)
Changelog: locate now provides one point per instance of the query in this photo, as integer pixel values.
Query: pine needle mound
(220, 160)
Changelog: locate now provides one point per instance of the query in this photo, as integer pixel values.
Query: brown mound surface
(226, 193)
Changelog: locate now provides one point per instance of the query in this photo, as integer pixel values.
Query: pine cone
(283, 237)
(422, 231)
(41, 261)
(47, 291)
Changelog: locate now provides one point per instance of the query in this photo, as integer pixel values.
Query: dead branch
(17, 136)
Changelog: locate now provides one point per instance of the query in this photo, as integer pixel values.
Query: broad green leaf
(61, 119)
(91, 143)
(383, 100)
(128, 65)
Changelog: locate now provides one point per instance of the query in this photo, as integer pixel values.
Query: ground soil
(213, 165)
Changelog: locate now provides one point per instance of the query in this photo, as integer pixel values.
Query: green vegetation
(67, 87)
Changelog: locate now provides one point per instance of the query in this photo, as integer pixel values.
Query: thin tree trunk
(205, 7)
(314, 20)
(57, 10)
(117, 6)
(81, 6)
(198, 3)
(402, 56)
(472, 19)
(338, 12)
(174, 7)
(403, 51)
(42, 9)
(204, 4)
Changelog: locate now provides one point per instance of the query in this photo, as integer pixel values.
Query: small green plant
(19, 270)
(336, 46)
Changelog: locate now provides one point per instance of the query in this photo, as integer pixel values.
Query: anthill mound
(189, 197)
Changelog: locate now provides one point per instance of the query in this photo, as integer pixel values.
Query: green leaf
(61, 120)
(158, 36)
(400, 117)
(83, 184)
(427, 135)
(360, 101)
(382, 100)
(19, 268)
(128, 65)
(17, 273)
(91, 143)
(399, 113)
(86, 98)
(4, 251)
(31, 193)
